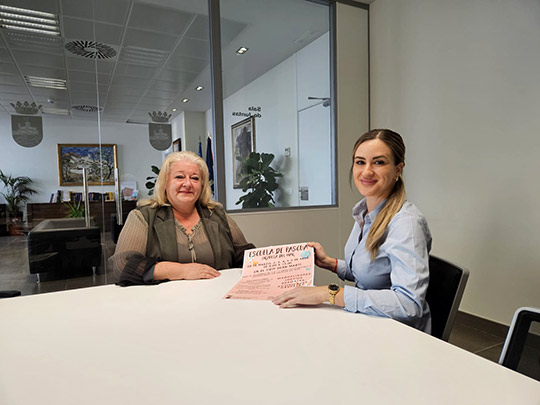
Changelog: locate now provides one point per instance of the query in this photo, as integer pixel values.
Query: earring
(397, 178)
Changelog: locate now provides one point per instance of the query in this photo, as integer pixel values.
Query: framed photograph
(100, 161)
(243, 143)
(177, 145)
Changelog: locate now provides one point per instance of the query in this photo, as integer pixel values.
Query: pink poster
(271, 270)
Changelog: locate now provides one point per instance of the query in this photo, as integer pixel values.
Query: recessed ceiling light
(27, 11)
(26, 29)
(242, 50)
(46, 82)
(199, 88)
(174, 109)
(185, 100)
(21, 19)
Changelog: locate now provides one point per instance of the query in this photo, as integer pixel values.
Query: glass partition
(277, 100)
(99, 74)
(119, 84)
(49, 127)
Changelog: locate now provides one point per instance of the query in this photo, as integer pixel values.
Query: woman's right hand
(184, 271)
(321, 258)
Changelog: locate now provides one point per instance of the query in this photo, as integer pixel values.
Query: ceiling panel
(168, 94)
(194, 48)
(31, 42)
(49, 93)
(12, 80)
(109, 34)
(171, 86)
(160, 53)
(152, 18)
(39, 59)
(83, 87)
(39, 71)
(154, 102)
(185, 63)
(142, 56)
(114, 12)
(48, 6)
(77, 8)
(7, 90)
(171, 75)
(131, 81)
(125, 69)
(128, 91)
(229, 30)
(88, 30)
(88, 65)
(76, 28)
(199, 28)
(148, 39)
(88, 77)
(8, 68)
(86, 98)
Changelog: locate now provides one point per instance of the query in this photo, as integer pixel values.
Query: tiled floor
(14, 274)
(478, 336)
(481, 342)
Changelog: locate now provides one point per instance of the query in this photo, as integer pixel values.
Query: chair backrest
(446, 285)
(517, 336)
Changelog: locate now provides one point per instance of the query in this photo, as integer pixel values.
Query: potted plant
(17, 191)
(260, 178)
(75, 209)
(152, 180)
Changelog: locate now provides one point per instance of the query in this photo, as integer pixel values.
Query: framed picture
(177, 145)
(100, 161)
(243, 143)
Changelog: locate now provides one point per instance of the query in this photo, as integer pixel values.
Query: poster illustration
(272, 270)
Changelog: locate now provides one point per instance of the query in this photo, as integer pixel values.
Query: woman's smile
(374, 171)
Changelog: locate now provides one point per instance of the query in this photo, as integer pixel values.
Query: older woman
(180, 233)
(387, 253)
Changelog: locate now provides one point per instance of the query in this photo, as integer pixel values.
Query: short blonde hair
(159, 199)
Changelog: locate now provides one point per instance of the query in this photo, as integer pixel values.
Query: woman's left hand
(302, 296)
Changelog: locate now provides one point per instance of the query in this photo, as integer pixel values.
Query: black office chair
(446, 285)
(9, 293)
(521, 350)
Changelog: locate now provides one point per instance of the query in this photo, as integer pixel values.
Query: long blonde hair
(159, 199)
(396, 198)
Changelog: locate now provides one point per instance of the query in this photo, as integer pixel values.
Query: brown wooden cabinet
(101, 211)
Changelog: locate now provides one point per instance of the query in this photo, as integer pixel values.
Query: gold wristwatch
(333, 289)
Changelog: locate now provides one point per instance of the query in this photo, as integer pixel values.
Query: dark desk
(100, 210)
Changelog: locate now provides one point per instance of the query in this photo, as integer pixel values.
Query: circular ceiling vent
(90, 49)
(86, 108)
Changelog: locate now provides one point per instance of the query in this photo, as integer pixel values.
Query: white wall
(459, 79)
(275, 93)
(40, 163)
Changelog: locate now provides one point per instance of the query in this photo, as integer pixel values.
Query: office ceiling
(146, 56)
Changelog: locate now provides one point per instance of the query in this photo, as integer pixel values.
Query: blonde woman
(387, 253)
(180, 233)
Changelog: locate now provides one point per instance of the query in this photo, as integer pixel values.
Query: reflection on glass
(276, 70)
(113, 63)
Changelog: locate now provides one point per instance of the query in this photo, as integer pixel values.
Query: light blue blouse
(393, 285)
